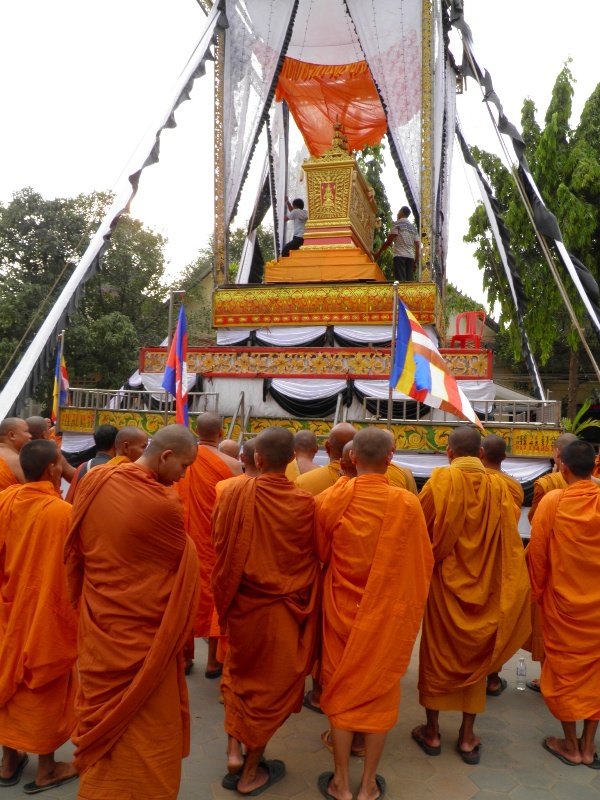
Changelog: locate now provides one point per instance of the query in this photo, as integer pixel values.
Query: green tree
(122, 306)
(565, 163)
(371, 162)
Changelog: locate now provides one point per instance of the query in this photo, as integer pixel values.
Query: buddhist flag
(61, 384)
(420, 372)
(175, 378)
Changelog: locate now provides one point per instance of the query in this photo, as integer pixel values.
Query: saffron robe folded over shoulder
(317, 480)
(38, 627)
(198, 493)
(135, 573)
(402, 477)
(266, 585)
(478, 610)
(564, 563)
(514, 487)
(7, 476)
(373, 539)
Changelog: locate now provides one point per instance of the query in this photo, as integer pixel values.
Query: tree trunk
(573, 383)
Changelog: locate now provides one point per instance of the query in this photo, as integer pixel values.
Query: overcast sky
(83, 80)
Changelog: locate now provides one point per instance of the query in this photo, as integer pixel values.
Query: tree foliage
(371, 162)
(122, 306)
(565, 163)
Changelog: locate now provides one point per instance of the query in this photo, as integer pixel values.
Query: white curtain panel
(363, 334)
(390, 35)
(450, 101)
(253, 45)
(280, 161)
(308, 389)
(153, 381)
(379, 389)
(323, 34)
(289, 337)
(76, 442)
(245, 265)
(227, 337)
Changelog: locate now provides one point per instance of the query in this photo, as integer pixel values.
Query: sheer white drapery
(289, 337)
(309, 388)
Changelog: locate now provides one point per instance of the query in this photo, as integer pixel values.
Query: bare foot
(248, 783)
(336, 791)
(235, 758)
(424, 734)
(371, 791)
(560, 747)
(61, 770)
(469, 744)
(10, 761)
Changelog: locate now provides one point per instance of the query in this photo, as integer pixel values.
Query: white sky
(83, 80)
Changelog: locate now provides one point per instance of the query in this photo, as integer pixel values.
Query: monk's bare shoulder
(11, 459)
(233, 464)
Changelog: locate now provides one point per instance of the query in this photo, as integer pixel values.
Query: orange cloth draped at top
(373, 538)
(197, 490)
(320, 95)
(564, 563)
(478, 612)
(135, 572)
(38, 627)
(7, 476)
(266, 586)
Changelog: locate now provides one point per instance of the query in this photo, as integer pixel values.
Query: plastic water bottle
(521, 675)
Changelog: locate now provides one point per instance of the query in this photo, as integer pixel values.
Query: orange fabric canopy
(320, 95)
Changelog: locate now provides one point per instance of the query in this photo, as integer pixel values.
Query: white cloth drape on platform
(290, 337)
(308, 389)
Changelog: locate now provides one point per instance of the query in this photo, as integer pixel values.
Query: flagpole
(172, 293)
(61, 347)
(392, 354)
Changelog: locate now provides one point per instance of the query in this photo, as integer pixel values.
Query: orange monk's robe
(38, 627)
(401, 477)
(478, 610)
(514, 487)
(543, 485)
(373, 539)
(564, 564)
(7, 476)
(116, 460)
(317, 480)
(135, 573)
(267, 590)
(197, 491)
(292, 471)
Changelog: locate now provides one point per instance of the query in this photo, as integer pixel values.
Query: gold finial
(340, 142)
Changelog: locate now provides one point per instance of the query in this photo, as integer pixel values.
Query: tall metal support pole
(220, 236)
(427, 161)
(61, 350)
(390, 408)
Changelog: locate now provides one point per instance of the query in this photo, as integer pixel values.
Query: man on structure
(493, 453)
(104, 439)
(405, 238)
(38, 627)
(564, 562)
(543, 485)
(130, 444)
(197, 491)
(298, 215)
(373, 540)
(266, 589)
(134, 573)
(39, 428)
(478, 610)
(305, 450)
(14, 434)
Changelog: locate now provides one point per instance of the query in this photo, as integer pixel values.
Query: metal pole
(61, 348)
(392, 354)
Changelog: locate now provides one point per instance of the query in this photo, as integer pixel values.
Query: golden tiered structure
(342, 215)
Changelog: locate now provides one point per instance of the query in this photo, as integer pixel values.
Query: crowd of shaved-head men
(290, 571)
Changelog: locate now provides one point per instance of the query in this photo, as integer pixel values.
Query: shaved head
(248, 450)
(494, 450)
(38, 427)
(177, 438)
(171, 450)
(372, 449)
(348, 467)
(465, 441)
(35, 458)
(131, 442)
(230, 448)
(209, 426)
(563, 440)
(305, 442)
(579, 457)
(340, 434)
(274, 449)
(14, 433)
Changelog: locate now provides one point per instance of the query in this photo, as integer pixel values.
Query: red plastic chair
(468, 329)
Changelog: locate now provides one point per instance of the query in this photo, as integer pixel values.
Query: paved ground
(513, 763)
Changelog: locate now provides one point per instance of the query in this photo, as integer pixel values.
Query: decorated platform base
(344, 263)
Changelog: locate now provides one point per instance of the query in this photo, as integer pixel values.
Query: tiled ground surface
(513, 763)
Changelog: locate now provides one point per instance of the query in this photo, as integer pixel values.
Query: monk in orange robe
(130, 443)
(38, 627)
(266, 588)
(305, 450)
(547, 483)
(40, 428)
(14, 434)
(197, 491)
(564, 563)
(134, 572)
(104, 439)
(478, 611)
(373, 539)
(317, 480)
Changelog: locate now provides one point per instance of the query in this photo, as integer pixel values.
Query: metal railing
(241, 415)
(513, 412)
(139, 400)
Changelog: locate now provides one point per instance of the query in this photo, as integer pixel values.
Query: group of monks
(288, 570)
